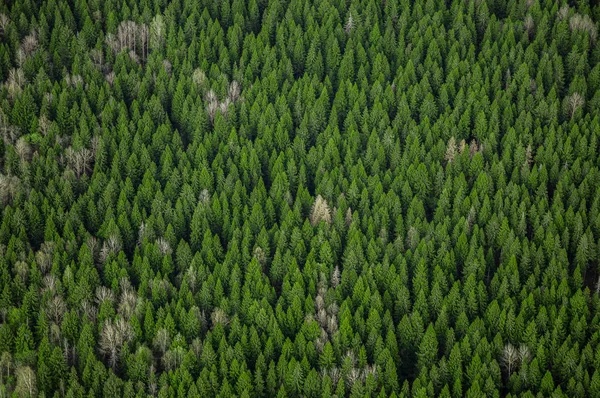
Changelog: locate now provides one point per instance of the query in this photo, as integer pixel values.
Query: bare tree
(563, 12)
(30, 43)
(161, 340)
(473, 148)
(528, 155)
(144, 35)
(15, 82)
(163, 246)
(26, 382)
(49, 283)
(213, 105)
(56, 308)
(112, 42)
(4, 21)
(104, 294)
(89, 310)
(211, 109)
(224, 106)
(335, 277)
(114, 335)
(110, 246)
(320, 211)
(575, 101)
(22, 270)
(350, 23)
(80, 161)
(219, 317)
(173, 358)
(97, 58)
(451, 150)
(584, 23)
(510, 358)
(233, 92)
(23, 149)
(110, 78)
(128, 304)
(199, 77)
(9, 187)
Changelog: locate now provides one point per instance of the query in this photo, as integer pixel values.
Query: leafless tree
(15, 82)
(74, 80)
(128, 303)
(320, 211)
(97, 58)
(4, 21)
(350, 23)
(528, 155)
(104, 294)
(199, 77)
(233, 92)
(510, 358)
(30, 43)
(110, 246)
(112, 42)
(163, 246)
(575, 101)
(332, 324)
(219, 317)
(80, 161)
(162, 340)
(43, 260)
(353, 376)
(211, 109)
(335, 277)
(44, 125)
(563, 12)
(584, 23)
(192, 279)
(56, 308)
(110, 78)
(49, 283)
(224, 106)
(23, 149)
(144, 35)
(22, 269)
(451, 150)
(21, 57)
(114, 335)
(412, 237)
(473, 148)
(259, 255)
(9, 187)
(173, 358)
(89, 310)
(134, 57)
(141, 233)
(26, 382)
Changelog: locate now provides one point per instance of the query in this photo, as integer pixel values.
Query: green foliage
(299, 198)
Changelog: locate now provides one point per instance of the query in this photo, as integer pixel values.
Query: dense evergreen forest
(299, 198)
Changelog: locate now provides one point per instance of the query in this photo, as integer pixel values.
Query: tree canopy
(299, 198)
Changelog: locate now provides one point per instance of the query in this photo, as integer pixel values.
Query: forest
(299, 198)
